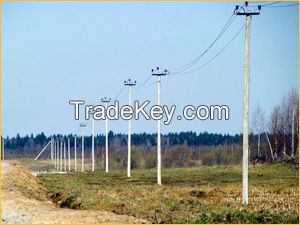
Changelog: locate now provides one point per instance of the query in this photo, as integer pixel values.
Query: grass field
(188, 195)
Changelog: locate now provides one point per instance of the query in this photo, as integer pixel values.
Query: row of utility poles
(58, 154)
(57, 150)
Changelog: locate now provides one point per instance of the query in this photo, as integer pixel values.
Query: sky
(53, 52)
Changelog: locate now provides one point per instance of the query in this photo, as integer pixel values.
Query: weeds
(188, 195)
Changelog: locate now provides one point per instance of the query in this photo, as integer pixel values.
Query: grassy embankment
(188, 195)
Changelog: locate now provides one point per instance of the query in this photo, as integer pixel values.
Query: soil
(20, 205)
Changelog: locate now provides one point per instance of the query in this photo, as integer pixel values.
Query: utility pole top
(82, 124)
(241, 11)
(158, 72)
(105, 99)
(130, 82)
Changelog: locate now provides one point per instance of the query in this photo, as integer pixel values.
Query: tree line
(120, 140)
(277, 134)
(273, 138)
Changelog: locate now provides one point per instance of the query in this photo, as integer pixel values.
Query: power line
(226, 26)
(274, 5)
(214, 57)
(281, 6)
(148, 85)
(119, 93)
(144, 82)
(267, 4)
(185, 67)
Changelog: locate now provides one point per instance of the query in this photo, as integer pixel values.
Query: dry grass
(190, 195)
(24, 200)
(19, 179)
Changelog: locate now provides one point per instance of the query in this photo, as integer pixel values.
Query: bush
(178, 156)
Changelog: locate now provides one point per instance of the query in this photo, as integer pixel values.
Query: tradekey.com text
(156, 112)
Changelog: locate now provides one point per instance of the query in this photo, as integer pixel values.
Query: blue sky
(53, 52)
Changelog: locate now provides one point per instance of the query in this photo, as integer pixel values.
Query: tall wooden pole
(51, 150)
(158, 137)
(106, 142)
(69, 155)
(246, 112)
(65, 158)
(159, 73)
(82, 149)
(93, 144)
(54, 153)
(129, 138)
(245, 11)
(75, 154)
(129, 83)
(61, 156)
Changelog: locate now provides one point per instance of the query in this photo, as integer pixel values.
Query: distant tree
(274, 127)
(259, 122)
(293, 111)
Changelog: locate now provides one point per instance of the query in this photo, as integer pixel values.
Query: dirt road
(24, 201)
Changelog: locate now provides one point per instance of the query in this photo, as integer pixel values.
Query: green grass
(37, 165)
(188, 195)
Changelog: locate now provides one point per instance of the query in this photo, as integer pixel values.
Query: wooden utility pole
(54, 152)
(75, 154)
(129, 83)
(93, 144)
(61, 156)
(65, 158)
(158, 74)
(69, 155)
(106, 101)
(51, 150)
(82, 125)
(241, 11)
(57, 154)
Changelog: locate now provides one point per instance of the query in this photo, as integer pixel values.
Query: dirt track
(20, 206)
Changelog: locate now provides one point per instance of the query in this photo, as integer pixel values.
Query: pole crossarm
(157, 72)
(247, 13)
(105, 100)
(130, 82)
(241, 11)
(42, 150)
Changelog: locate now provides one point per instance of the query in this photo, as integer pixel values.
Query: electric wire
(271, 3)
(226, 26)
(183, 69)
(119, 93)
(214, 57)
(282, 6)
(144, 82)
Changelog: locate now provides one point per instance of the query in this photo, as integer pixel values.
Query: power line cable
(268, 4)
(119, 93)
(187, 66)
(213, 58)
(281, 6)
(144, 82)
